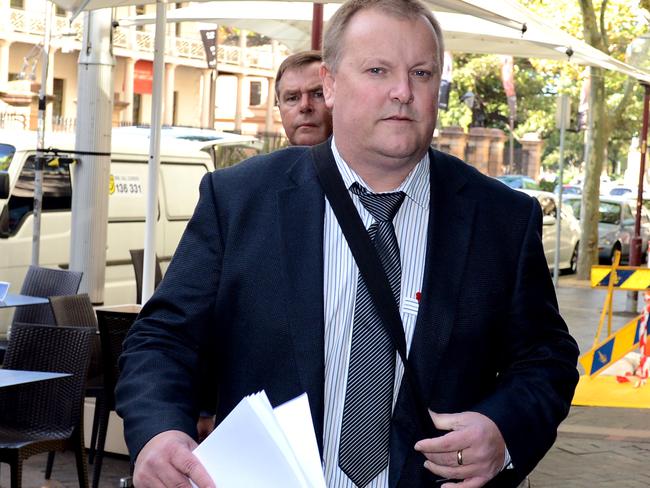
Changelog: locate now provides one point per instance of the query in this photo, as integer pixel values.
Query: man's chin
(307, 139)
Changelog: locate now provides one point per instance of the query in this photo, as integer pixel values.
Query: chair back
(78, 311)
(113, 327)
(45, 282)
(50, 408)
(137, 258)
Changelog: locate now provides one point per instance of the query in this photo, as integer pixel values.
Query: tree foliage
(608, 25)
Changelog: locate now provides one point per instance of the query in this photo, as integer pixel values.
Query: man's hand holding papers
(168, 449)
(257, 445)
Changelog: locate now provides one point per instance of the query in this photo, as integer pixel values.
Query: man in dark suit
(265, 274)
(307, 121)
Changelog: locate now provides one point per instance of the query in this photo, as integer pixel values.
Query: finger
(189, 465)
(159, 478)
(450, 442)
(446, 421)
(446, 458)
(450, 472)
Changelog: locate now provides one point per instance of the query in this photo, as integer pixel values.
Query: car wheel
(573, 264)
(615, 247)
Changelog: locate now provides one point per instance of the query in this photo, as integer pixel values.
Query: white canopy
(290, 24)
(477, 8)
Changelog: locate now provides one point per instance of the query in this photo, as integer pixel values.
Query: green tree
(609, 26)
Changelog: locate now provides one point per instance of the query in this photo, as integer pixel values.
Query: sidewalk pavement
(596, 447)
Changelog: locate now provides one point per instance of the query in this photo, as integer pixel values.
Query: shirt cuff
(507, 461)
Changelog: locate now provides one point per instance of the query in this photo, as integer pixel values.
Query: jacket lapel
(451, 216)
(301, 209)
(449, 233)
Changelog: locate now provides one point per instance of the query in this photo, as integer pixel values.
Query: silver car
(616, 226)
(569, 232)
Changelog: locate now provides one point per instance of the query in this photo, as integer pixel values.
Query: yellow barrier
(612, 348)
(616, 345)
(629, 278)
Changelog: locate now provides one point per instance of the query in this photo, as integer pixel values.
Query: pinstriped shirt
(340, 286)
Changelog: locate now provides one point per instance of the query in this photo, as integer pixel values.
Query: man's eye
(376, 71)
(421, 73)
(318, 94)
(291, 98)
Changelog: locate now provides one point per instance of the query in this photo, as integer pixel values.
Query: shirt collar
(415, 186)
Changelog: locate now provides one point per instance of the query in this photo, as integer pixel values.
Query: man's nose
(402, 91)
(305, 103)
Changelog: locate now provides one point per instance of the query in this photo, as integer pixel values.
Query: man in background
(305, 117)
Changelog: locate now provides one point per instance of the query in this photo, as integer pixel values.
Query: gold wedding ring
(459, 457)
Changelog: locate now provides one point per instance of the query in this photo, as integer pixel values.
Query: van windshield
(57, 195)
(7, 152)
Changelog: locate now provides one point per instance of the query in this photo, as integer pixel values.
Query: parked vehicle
(185, 156)
(568, 190)
(569, 232)
(519, 182)
(616, 226)
(622, 191)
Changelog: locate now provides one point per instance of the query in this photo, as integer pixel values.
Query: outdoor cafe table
(14, 300)
(10, 377)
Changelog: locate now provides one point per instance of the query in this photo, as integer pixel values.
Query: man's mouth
(399, 118)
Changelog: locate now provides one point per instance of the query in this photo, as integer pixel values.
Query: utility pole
(93, 146)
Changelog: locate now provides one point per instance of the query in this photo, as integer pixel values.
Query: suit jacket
(246, 283)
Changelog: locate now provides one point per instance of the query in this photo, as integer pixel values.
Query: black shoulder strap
(369, 264)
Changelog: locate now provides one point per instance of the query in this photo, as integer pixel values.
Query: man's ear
(329, 85)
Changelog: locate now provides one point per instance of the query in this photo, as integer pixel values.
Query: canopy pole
(564, 112)
(91, 173)
(148, 275)
(317, 27)
(39, 161)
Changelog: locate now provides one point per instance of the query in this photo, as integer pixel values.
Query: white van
(185, 156)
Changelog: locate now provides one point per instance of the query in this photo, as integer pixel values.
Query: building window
(139, 10)
(57, 103)
(59, 11)
(137, 102)
(256, 93)
(17, 4)
(178, 24)
(175, 109)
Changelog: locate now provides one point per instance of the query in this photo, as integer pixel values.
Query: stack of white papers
(257, 445)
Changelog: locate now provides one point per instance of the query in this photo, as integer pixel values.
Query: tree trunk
(588, 251)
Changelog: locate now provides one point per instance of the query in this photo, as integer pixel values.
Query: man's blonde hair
(402, 9)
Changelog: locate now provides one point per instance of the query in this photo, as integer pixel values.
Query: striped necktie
(365, 428)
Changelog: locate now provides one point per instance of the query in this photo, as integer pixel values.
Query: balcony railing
(143, 41)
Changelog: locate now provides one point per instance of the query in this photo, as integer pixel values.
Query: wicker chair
(113, 327)
(137, 258)
(47, 415)
(78, 311)
(43, 282)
